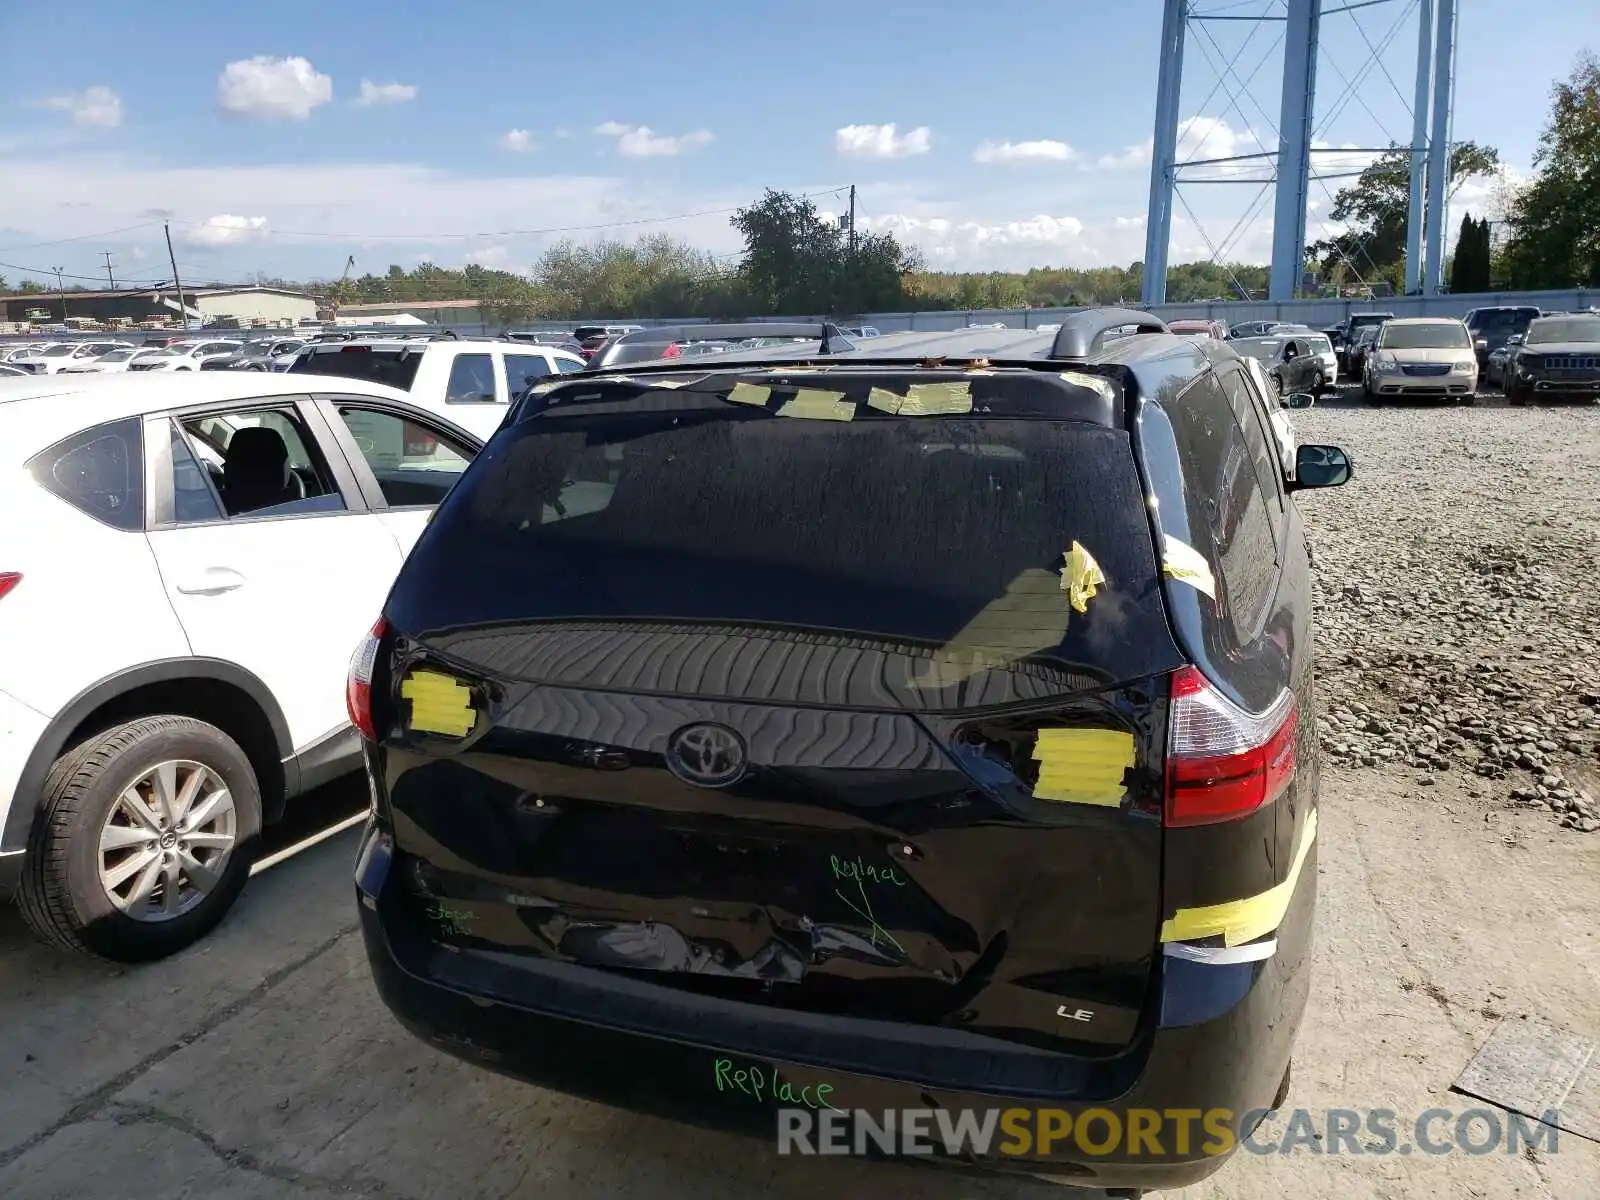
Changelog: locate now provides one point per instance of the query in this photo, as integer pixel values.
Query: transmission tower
(1297, 159)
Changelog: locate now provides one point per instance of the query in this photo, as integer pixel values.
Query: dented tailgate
(846, 714)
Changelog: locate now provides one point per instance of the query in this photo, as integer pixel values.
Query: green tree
(1469, 270)
(1555, 221)
(795, 262)
(656, 276)
(1373, 210)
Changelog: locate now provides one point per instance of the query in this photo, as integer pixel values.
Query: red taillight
(9, 580)
(358, 686)
(1223, 762)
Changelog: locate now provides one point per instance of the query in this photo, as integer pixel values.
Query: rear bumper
(1220, 1041)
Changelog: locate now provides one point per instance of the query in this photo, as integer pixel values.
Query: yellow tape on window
(1183, 562)
(814, 404)
(1081, 577)
(750, 393)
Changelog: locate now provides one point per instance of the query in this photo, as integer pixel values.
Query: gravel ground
(1458, 610)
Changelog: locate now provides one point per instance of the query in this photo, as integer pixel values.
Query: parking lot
(1460, 888)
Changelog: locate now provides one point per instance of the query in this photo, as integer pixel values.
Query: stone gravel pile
(1458, 598)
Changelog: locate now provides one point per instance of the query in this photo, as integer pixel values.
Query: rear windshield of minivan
(395, 366)
(949, 535)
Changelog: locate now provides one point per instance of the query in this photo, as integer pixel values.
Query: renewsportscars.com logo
(1182, 1133)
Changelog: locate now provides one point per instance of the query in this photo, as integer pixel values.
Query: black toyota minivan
(929, 723)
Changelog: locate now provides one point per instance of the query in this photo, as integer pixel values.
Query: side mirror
(1299, 400)
(1321, 467)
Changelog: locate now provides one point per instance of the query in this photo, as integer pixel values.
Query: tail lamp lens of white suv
(358, 686)
(1224, 763)
(9, 580)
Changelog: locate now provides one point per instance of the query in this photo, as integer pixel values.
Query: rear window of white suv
(393, 365)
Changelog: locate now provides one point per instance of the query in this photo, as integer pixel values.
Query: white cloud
(519, 141)
(385, 93)
(225, 229)
(563, 134)
(94, 107)
(1024, 152)
(881, 141)
(956, 244)
(1130, 159)
(272, 88)
(640, 141)
(490, 256)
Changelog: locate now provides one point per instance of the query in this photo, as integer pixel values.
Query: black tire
(1515, 396)
(61, 896)
(1370, 396)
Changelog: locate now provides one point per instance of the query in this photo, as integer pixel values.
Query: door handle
(213, 581)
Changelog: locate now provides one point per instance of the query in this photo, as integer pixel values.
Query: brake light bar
(1224, 763)
(9, 580)
(358, 686)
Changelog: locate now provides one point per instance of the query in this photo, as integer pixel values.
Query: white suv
(186, 564)
(471, 382)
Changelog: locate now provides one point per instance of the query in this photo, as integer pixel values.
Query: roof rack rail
(664, 335)
(1085, 330)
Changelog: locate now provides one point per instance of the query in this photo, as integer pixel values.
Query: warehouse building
(203, 305)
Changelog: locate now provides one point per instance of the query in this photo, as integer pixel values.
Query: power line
(82, 237)
(65, 274)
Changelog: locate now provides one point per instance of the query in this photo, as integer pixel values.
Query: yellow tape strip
(1183, 562)
(814, 404)
(1082, 766)
(1240, 921)
(884, 400)
(439, 704)
(750, 393)
(1081, 578)
(937, 399)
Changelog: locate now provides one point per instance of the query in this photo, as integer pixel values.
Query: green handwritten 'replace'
(862, 871)
(760, 1086)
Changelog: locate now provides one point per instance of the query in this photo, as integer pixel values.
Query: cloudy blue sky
(282, 137)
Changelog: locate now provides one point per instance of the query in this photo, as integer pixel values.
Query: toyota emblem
(706, 755)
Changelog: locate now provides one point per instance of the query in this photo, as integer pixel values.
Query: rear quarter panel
(91, 599)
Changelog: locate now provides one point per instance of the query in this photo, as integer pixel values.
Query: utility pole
(106, 254)
(61, 292)
(183, 309)
(852, 219)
